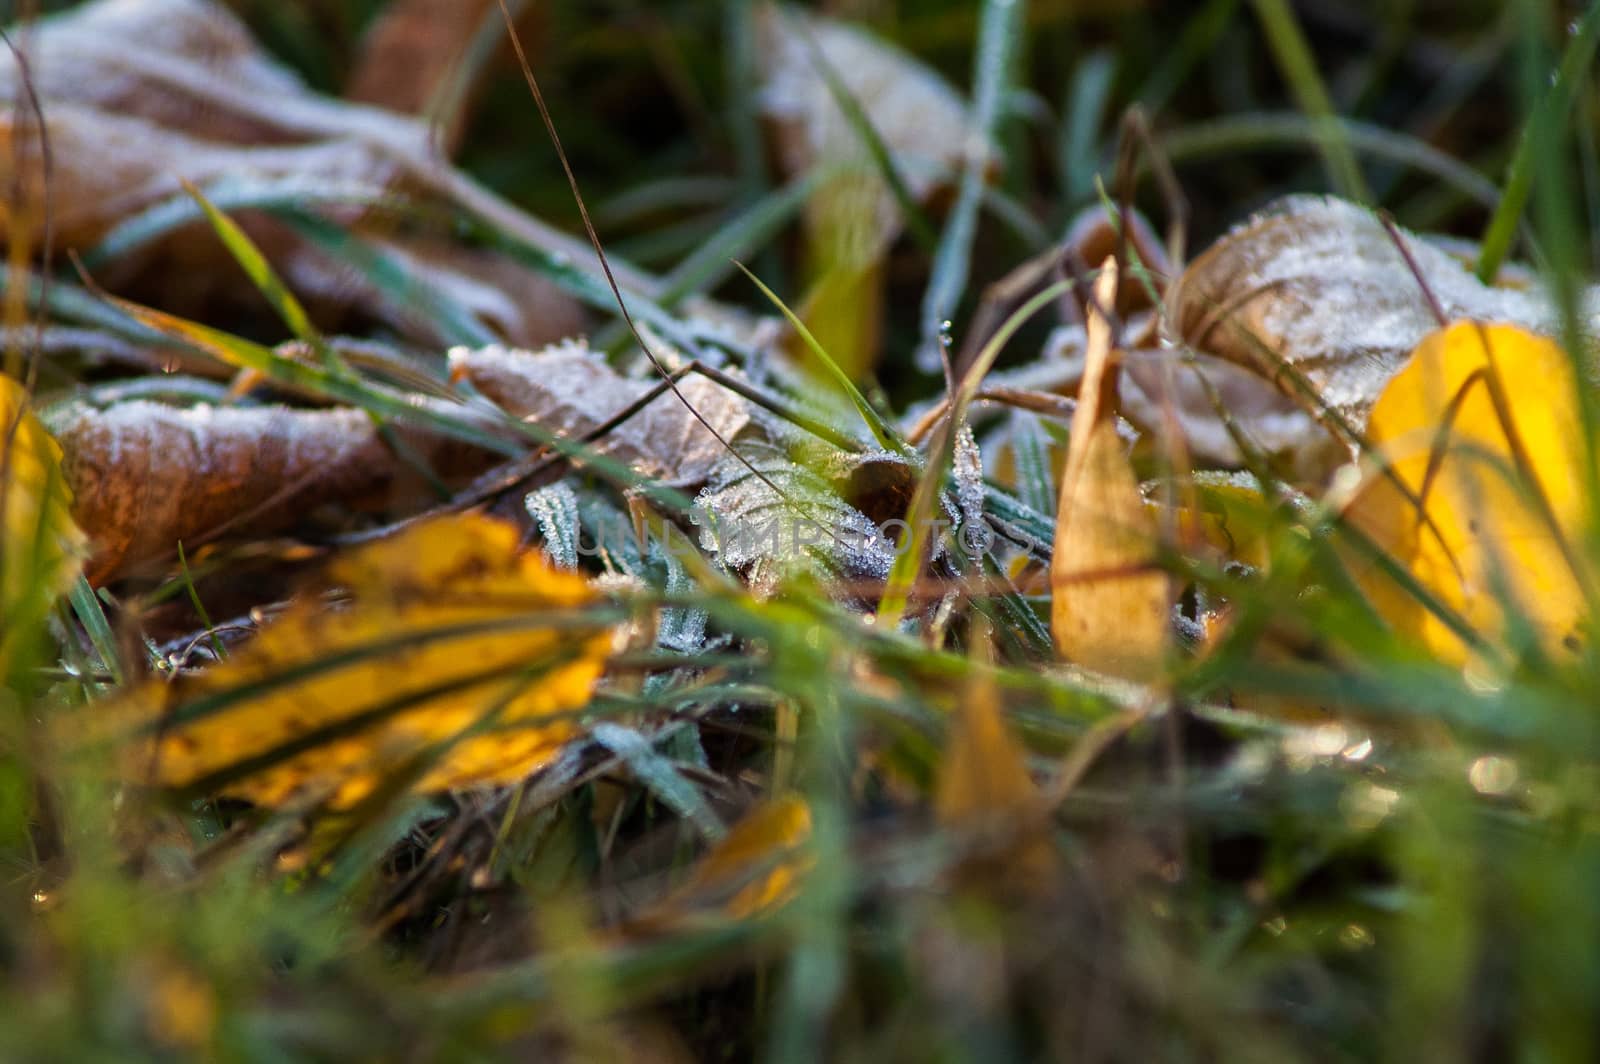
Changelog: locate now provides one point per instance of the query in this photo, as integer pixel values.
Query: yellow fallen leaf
(41, 549)
(1230, 516)
(984, 785)
(756, 869)
(1486, 540)
(1108, 605)
(984, 773)
(454, 639)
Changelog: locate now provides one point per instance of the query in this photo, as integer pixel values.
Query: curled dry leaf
(985, 786)
(1108, 607)
(137, 94)
(1494, 498)
(1317, 288)
(459, 657)
(921, 120)
(41, 549)
(1193, 392)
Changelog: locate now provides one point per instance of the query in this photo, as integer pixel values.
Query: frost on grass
(760, 534)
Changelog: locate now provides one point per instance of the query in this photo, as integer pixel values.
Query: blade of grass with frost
(395, 281)
(559, 269)
(667, 243)
(1013, 618)
(663, 195)
(1299, 69)
(1078, 152)
(908, 562)
(739, 77)
(1018, 217)
(887, 438)
(661, 777)
(383, 402)
(711, 262)
(750, 230)
(452, 95)
(1542, 125)
(1030, 448)
(860, 124)
(151, 224)
(999, 33)
(1265, 131)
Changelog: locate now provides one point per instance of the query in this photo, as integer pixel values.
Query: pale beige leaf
(924, 123)
(1109, 605)
(140, 94)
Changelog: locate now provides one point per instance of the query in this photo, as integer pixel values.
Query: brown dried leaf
(145, 475)
(1316, 285)
(1204, 390)
(567, 388)
(189, 65)
(1108, 607)
(137, 96)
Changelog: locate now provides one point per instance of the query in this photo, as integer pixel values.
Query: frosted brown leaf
(137, 94)
(924, 123)
(1318, 287)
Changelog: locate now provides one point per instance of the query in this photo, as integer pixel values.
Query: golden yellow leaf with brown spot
(456, 647)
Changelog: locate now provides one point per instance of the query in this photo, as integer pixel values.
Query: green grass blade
(256, 267)
(403, 289)
(1267, 131)
(1299, 69)
(1078, 150)
(908, 563)
(886, 437)
(1542, 125)
(146, 227)
(999, 36)
(86, 605)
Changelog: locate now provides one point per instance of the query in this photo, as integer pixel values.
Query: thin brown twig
(605, 265)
